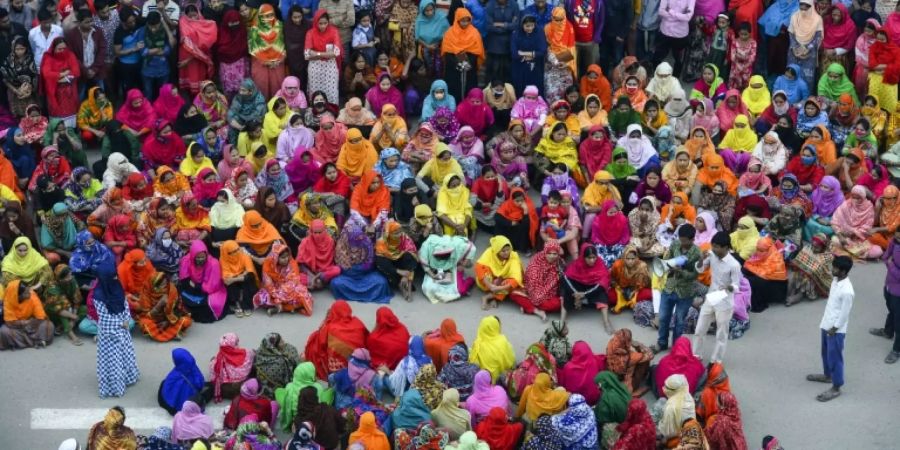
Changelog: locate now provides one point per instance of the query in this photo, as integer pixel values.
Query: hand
(832, 331)
(140, 45)
(183, 63)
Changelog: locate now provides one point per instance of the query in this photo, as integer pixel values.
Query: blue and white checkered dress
(116, 363)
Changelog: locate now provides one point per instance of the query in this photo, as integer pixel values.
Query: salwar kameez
(808, 63)
(268, 79)
(232, 74)
(116, 363)
(443, 257)
(556, 80)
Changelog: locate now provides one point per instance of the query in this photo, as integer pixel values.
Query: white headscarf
(640, 150)
(679, 406)
(117, 170)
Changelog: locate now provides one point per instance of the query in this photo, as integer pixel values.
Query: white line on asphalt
(85, 418)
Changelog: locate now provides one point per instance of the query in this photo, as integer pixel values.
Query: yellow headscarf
(492, 350)
(565, 152)
(24, 267)
(744, 241)
(511, 268)
(305, 217)
(274, 125)
(440, 168)
(540, 398)
(354, 159)
(90, 114)
(191, 168)
(757, 100)
(595, 195)
(454, 202)
(740, 139)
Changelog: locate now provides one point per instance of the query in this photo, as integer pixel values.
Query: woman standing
(323, 50)
(231, 51)
(198, 36)
(59, 74)
(20, 75)
(266, 47)
(529, 48)
(560, 66)
(463, 51)
(806, 32)
(429, 31)
(116, 363)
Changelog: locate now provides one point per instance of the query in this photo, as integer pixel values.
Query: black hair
(864, 122)
(518, 194)
(529, 18)
(592, 99)
(297, 117)
(100, 4)
(780, 94)
(687, 231)
(3, 13)
(154, 18)
(843, 263)
(260, 151)
(487, 168)
(557, 127)
(722, 239)
(294, 9)
(561, 166)
(651, 104)
(279, 101)
(744, 26)
(573, 89)
(498, 82)
(22, 288)
(623, 100)
(590, 252)
(221, 193)
(195, 149)
(43, 15)
(252, 126)
(654, 169)
(190, 7)
(120, 409)
(554, 195)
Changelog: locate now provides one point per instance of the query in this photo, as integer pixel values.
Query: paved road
(767, 369)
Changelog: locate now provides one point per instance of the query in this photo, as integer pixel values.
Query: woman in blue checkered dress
(116, 363)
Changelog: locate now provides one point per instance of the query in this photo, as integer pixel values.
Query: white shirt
(40, 43)
(173, 11)
(725, 272)
(837, 310)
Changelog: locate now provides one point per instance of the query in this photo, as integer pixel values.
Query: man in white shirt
(41, 36)
(726, 279)
(834, 328)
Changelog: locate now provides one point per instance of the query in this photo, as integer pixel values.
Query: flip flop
(818, 378)
(828, 395)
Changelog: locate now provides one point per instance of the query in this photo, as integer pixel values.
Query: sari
(491, 350)
(111, 433)
(577, 376)
(388, 340)
(232, 364)
(680, 360)
(288, 397)
(627, 359)
(497, 431)
(282, 287)
(485, 397)
(448, 415)
(331, 344)
(439, 342)
(198, 36)
(537, 360)
(851, 222)
(541, 398)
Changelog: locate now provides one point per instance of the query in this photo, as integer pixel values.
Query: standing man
(8, 31)
(158, 44)
(587, 20)
(21, 13)
(675, 17)
(678, 294)
(42, 35)
(89, 46)
(619, 17)
(541, 10)
(891, 328)
(834, 328)
(107, 20)
(726, 276)
(502, 19)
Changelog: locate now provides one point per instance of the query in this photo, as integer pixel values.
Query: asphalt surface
(767, 367)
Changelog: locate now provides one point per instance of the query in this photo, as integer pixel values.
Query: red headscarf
(334, 341)
(886, 53)
(842, 34)
(317, 40)
(439, 342)
(316, 250)
(204, 190)
(197, 39)
(129, 236)
(725, 430)
(130, 190)
(51, 65)
(231, 43)
(137, 119)
(577, 376)
(329, 142)
(511, 211)
(163, 150)
(487, 191)
(229, 355)
(498, 432)
(389, 341)
(370, 204)
(595, 155)
(340, 185)
(579, 271)
(637, 431)
(610, 230)
(542, 276)
(680, 360)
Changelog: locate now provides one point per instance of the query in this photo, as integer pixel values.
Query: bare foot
(608, 327)
(541, 314)
(484, 302)
(494, 304)
(75, 341)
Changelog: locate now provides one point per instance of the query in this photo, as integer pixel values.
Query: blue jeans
(152, 85)
(83, 88)
(667, 304)
(833, 357)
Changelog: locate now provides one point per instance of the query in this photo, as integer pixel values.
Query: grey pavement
(767, 366)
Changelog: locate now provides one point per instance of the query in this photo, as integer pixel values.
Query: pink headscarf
(680, 360)
(250, 389)
(190, 423)
(140, 118)
(854, 215)
(209, 276)
(360, 374)
(726, 114)
(303, 175)
(167, 105)
(485, 396)
(577, 376)
(707, 119)
(479, 117)
(298, 101)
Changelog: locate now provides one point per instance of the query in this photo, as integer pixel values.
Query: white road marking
(85, 418)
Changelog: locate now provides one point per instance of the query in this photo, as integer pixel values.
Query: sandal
(828, 395)
(819, 378)
(892, 357)
(880, 332)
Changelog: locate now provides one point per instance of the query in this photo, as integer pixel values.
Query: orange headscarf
(717, 382)
(561, 36)
(510, 210)
(698, 148)
(270, 265)
(458, 39)
(439, 343)
(354, 159)
(714, 170)
(825, 149)
(257, 232)
(15, 309)
(599, 87)
(767, 262)
(233, 260)
(370, 204)
(133, 276)
(684, 210)
(368, 433)
(172, 187)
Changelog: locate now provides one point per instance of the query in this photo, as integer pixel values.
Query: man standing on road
(891, 328)
(678, 294)
(726, 277)
(834, 329)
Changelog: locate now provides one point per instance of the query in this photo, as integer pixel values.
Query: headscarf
(370, 204)
(540, 397)
(431, 104)
(167, 104)
(52, 65)
(544, 436)
(485, 396)
(190, 423)
(679, 406)
(825, 203)
(767, 262)
(577, 375)
(618, 171)
(93, 114)
(234, 260)
(708, 91)
(288, 397)
(411, 411)
(209, 276)
(439, 342)
(387, 343)
(577, 424)
(226, 215)
(140, 118)
(637, 431)
(727, 114)
(777, 15)
(614, 398)
(705, 237)
(740, 139)
(663, 84)
(111, 433)
(257, 231)
(26, 267)
(640, 150)
(298, 100)
(610, 230)
(316, 250)
(458, 372)
(454, 202)
(714, 170)
(511, 268)
(889, 216)
(355, 159)
(561, 36)
(832, 89)
(680, 360)
(58, 230)
(231, 41)
(449, 415)
(542, 277)
(805, 24)
(716, 382)
(638, 98)
(476, 117)
(707, 119)
(457, 39)
(856, 214)
(595, 155)
(430, 30)
(266, 36)
(757, 99)
(841, 34)
(498, 432)
(280, 184)
(163, 150)
(599, 87)
(491, 350)
(249, 107)
(329, 142)
(580, 272)
(368, 435)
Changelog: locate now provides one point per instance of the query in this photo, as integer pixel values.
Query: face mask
(438, 95)
(319, 104)
(166, 242)
(498, 94)
(630, 89)
(808, 160)
(634, 141)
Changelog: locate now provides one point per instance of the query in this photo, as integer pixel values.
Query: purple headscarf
(485, 396)
(826, 202)
(303, 175)
(449, 130)
(190, 423)
(250, 389)
(360, 370)
(742, 300)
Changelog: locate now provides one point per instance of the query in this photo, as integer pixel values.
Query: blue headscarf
(183, 381)
(778, 15)
(411, 411)
(161, 256)
(431, 104)
(393, 177)
(430, 30)
(796, 89)
(536, 41)
(21, 156)
(108, 289)
(91, 260)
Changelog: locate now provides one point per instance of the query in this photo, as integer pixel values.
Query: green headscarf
(288, 397)
(832, 89)
(619, 121)
(613, 404)
(620, 171)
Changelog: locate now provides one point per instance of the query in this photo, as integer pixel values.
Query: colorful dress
(742, 58)
(283, 286)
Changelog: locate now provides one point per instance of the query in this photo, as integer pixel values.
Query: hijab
(231, 42)
(356, 158)
(511, 268)
(266, 36)
(184, 380)
(388, 341)
(540, 398)
(369, 435)
(561, 36)
(805, 24)
(136, 118)
(757, 99)
(485, 396)
(577, 375)
(767, 262)
(370, 204)
(826, 202)
(832, 89)
(594, 154)
(458, 40)
(491, 349)
(610, 230)
(430, 30)
(316, 250)
(841, 34)
(640, 150)
(329, 142)
(580, 272)
(190, 423)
